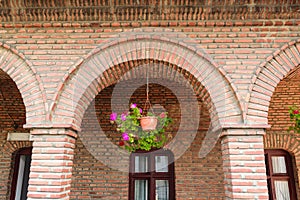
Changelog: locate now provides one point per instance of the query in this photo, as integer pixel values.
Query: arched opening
(98, 72)
(101, 165)
(12, 137)
(286, 94)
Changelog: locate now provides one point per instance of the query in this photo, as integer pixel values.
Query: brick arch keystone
(271, 72)
(28, 82)
(86, 81)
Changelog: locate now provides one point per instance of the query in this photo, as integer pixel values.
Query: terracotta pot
(148, 123)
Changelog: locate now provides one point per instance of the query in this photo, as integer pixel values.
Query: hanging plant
(295, 118)
(134, 137)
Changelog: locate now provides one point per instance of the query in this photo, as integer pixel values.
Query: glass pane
(26, 177)
(141, 164)
(161, 163)
(278, 163)
(162, 190)
(282, 190)
(23, 177)
(141, 189)
(22, 163)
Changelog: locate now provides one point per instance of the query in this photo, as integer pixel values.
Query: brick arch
(28, 83)
(132, 74)
(11, 147)
(89, 78)
(285, 141)
(272, 71)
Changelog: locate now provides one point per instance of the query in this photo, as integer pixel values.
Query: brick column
(244, 164)
(51, 165)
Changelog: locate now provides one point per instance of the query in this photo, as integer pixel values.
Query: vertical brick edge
(244, 165)
(51, 165)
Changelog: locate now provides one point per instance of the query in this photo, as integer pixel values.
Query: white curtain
(282, 190)
(278, 163)
(161, 163)
(141, 190)
(141, 164)
(162, 190)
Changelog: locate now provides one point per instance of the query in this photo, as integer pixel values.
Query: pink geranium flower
(123, 117)
(125, 136)
(133, 105)
(113, 116)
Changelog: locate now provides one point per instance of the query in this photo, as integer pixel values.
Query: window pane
(282, 190)
(26, 177)
(141, 164)
(162, 190)
(161, 163)
(141, 189)
(22, 162)
(23, 177)
(278, 163)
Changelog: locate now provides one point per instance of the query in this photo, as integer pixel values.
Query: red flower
(295, 112)
(162, 115)
(121, 143)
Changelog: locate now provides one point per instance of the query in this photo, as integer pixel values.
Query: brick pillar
(244, 164)
(51, 165)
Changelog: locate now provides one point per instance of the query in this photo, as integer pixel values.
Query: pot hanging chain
(147, 93)
(147, 89)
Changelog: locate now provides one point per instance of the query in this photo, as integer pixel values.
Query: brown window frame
(18, 154)
(152, 175)
(271, 177)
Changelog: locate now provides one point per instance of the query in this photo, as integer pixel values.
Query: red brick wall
(287, 93)
(12, 109)
(53, 50)
(195, 178)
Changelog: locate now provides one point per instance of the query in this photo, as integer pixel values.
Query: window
(280, 175)
(21, 174)
(151, 175)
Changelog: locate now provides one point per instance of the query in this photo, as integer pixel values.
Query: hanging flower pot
(140, 132)
(148, 123)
